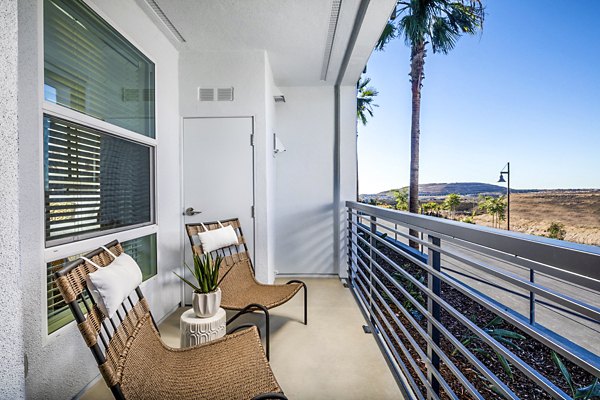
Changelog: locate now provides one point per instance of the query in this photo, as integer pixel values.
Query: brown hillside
(533, 212)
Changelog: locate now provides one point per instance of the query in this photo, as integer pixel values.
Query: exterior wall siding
(12, 375)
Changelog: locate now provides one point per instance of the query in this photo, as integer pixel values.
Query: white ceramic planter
(206, 305)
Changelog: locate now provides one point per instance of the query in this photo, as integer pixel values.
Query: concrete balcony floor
(331, 358)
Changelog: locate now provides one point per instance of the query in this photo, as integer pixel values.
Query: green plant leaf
(564, 371)
(588, 392)
(196, 288)
(505, 365)
(505, 333)
(495, 322)
(508, 342)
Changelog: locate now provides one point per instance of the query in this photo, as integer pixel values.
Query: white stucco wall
(304, 182)
(247, 72)
(270, 130)
(348, 168)
(60, 365)
(12, 375)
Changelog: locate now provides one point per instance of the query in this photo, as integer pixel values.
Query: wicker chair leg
(253, 307)
(305, 298)
(116, 391)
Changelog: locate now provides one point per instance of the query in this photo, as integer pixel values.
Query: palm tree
(438, 23)
(364, 99)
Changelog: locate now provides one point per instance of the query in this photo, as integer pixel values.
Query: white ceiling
(293, 32)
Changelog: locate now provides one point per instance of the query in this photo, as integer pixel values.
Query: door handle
(190, 211)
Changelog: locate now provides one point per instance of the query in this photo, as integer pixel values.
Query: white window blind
(94, 182)
(89, 67)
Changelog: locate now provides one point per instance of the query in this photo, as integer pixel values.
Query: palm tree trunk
(417, 63)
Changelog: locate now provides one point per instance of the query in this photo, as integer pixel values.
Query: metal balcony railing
(479, 312)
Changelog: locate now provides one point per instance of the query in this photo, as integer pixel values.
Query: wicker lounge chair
(240, 290)
(136, 364)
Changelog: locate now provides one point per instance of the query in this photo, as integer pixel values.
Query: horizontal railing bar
(573, 304)
(418, 350)
(576, 258)
(412, 382)
(405, 351)
(457, 344)
(455, 371)
(531, 330)
(521, 295)
(511, 259)
(484, 336)
(392, 354)
(541, 302)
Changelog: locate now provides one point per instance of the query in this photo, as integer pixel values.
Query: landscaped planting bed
(532, 352)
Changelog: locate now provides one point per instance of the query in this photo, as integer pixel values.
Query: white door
(218, 175)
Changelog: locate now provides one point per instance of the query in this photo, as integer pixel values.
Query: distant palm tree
(364, 99)
(439, 23)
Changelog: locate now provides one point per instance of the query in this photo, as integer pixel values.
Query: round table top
(189, 317)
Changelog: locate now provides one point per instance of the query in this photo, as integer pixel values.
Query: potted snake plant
(206, 298)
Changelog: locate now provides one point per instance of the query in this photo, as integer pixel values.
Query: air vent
(333, 21)
(225, 94)
(212, 94)
(165, 20)
(279, 99)
(206, 94)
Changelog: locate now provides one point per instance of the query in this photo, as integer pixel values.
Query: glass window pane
(91, 68)
(143, 251)
(94, 182)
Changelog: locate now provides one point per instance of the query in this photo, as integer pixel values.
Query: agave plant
(586, 392)
(503, 336)
(205, 272)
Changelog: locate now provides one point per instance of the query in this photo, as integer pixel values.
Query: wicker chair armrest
(245, 326)
(266, 396)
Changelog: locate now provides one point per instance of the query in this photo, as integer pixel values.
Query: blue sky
(527, 91)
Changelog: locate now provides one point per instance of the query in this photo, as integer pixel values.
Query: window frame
(57, 251)
(108, 129)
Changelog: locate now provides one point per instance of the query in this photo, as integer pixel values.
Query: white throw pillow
(111, 285)
(218, 238)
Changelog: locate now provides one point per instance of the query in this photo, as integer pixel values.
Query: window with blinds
(89, 67)
(95, 183)
(143, 251)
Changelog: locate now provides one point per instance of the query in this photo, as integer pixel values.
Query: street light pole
(507, 172)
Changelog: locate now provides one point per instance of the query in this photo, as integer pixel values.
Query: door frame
(186, 240)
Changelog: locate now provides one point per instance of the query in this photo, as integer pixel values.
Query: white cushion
(111, 285)
(218, 238)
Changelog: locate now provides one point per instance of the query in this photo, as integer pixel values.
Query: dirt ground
(534, 212)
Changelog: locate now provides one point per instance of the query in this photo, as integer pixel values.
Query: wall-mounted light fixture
(278, 147)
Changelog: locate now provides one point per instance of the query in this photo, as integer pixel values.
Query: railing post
(531, 298)
(373, 243)
(434, 285)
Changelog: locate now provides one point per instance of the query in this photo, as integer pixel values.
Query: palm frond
(390, 32)
(364, 99)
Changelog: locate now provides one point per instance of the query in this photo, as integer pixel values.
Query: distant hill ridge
(462, 188)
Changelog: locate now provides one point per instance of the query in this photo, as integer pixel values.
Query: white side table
(194, 330)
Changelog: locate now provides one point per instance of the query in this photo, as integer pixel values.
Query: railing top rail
(575, 258)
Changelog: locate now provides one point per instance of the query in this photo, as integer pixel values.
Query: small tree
(556, 230)
(401, 197)
(430, 208)
(495, 206)
(451, 202)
